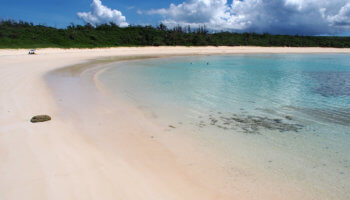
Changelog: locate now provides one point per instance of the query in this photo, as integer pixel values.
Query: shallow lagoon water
(286, 115)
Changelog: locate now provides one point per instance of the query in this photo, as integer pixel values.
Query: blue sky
(62, 12)
(305, 17)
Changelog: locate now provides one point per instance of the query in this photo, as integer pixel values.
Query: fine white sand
(97, 147)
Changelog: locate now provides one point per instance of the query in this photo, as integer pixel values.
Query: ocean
(287, 115)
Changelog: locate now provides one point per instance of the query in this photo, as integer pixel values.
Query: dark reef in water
(249, 123)
(332, 84)
(339, 116)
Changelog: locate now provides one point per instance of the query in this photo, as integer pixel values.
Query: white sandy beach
(97, 147)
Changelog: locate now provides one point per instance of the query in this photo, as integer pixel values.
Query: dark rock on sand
(40, 118)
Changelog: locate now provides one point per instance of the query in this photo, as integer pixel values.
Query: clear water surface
(289, 114)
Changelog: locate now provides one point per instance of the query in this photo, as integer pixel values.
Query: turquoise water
(293, 110)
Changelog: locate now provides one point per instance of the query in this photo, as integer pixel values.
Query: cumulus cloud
(101, 14)
(309, 17)
(215, 13)
(342, 18)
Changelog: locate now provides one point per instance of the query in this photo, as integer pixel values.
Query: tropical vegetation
(21, 34)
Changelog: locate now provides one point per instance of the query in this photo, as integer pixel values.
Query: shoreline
(177, 50)
(93, 144)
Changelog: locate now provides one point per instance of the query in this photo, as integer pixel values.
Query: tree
(162, 27)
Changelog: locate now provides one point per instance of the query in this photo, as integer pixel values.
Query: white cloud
(342, 18)
(310, 17)
(101, 14)
(214, 13)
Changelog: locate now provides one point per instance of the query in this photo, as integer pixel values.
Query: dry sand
(96, 147)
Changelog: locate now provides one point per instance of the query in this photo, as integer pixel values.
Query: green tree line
(21, 34)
